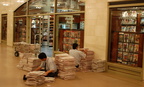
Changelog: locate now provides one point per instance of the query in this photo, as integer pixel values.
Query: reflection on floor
(48, 50)
(11, 76)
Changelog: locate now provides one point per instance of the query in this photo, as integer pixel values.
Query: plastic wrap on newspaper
(35, 78)
(66, 66)
(98, 65)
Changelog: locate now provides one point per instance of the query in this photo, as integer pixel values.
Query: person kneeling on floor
(48, 64)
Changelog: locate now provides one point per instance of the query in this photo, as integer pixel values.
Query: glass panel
(70, 5)
(20, 29)
(127, 34)
(4, 27)
(41, 6)
(36, 30)
(21, 10)
(42, 30)
(70, 30)
(47, 30)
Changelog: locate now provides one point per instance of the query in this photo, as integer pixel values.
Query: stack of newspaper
(66, 66)
(98, 65)
(28, 62)
(86, 63)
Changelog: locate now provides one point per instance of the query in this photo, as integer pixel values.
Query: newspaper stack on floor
(57, 56)
(49, 79)
(24, 47)
(86, 64)
(98, 65)
(35, 78)
(19, 45)
(66, 66)
(28, 62)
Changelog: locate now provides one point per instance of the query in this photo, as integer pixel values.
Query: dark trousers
(77, 66)
(52, 74)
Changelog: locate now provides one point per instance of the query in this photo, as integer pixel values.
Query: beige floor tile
(11, 76)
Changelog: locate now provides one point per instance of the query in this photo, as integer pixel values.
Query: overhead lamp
(21, 1)
(5, 3)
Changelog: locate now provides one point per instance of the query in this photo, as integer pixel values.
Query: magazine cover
(131, 47)
(123, 28)
(130, 57)
(137, 37)
(126, 37)
(72, 34)
(121, 37)
(125, 47)
(142, 21)
(136, 48)
(120, 46)
(132, 28)
(131, 38)
(142, 29)
(119, 58)
(125, 56)
(135, 58)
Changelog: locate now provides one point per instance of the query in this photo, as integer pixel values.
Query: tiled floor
(48, 50)
(11, 76)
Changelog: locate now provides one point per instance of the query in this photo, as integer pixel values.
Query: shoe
(24, 77)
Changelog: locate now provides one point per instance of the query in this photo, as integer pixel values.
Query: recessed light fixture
(21, 1)
(5, 4)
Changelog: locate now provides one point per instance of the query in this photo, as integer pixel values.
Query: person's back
(78, 55)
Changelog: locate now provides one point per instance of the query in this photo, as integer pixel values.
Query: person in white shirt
(48, 64)
(78, 55)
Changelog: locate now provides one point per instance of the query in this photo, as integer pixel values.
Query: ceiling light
(5, 4)
(21, 1)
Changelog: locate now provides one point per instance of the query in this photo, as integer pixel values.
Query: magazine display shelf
(126, 42)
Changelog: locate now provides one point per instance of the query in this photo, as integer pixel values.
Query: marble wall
(96, 27)
(13, 5)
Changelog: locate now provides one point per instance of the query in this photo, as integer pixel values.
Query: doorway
(4, 28)
(69, 30)
(41, 32)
